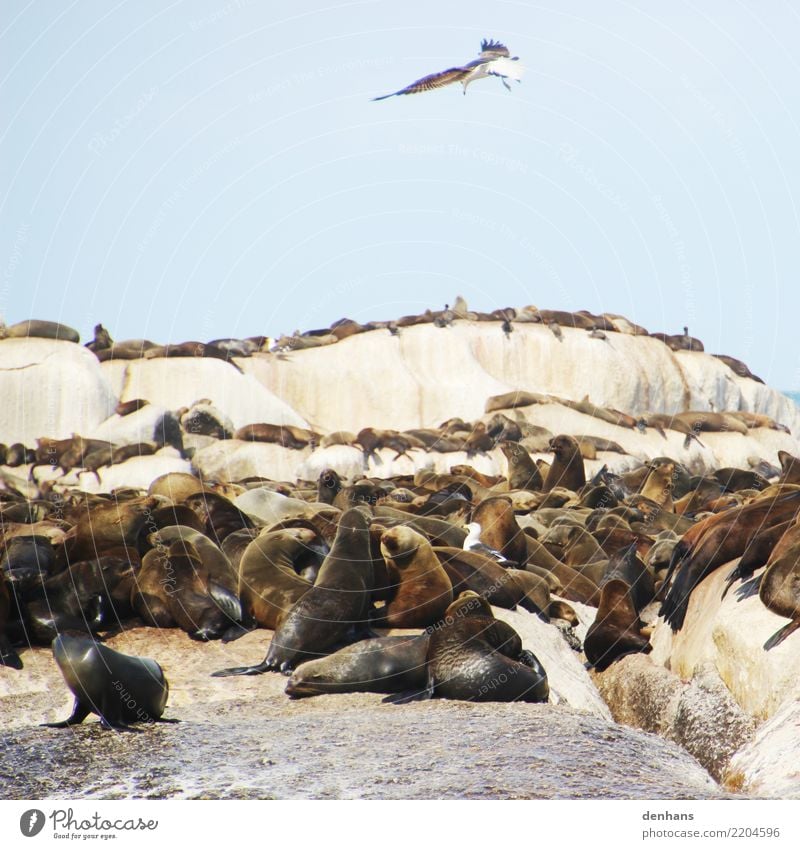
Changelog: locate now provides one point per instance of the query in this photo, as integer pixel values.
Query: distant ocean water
(795, 396)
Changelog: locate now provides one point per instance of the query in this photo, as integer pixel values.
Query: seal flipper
(412, 695)
(749, 588)
(8, 657)
(259, 669)
(237, 630)
(781, 634)
(79, 713)
(226, 601)
(532, 607)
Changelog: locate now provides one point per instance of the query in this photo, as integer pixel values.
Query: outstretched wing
(492, 49)
(432, 81)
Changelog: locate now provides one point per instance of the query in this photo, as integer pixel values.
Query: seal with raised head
(523, 473)
(616, 629)
(474, 657)
(420, 590)
(567, 469)
(119, 688)
(499, 528)
(382, 665)
(333, 610)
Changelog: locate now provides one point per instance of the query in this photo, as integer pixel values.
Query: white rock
(50, 388)
(569, 681)
(769, 765)
(227, 460)
(730, 634)
(180, 381)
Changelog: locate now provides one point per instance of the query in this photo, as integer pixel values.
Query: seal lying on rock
(474, 657)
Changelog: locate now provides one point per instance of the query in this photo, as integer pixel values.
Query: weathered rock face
(569, 682)
(730, 634)
(417, 379)
(701, 716)
(180, 381)
(50, 388)
(769, 765)
(427, 374)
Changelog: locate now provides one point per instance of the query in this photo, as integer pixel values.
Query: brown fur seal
(566, 470)
(335, 607)
(790, 468)
(700, 420)
(615, 630)
(174, 588)
(474, 657)
(269, 585)
(42, 330)
(658, 485)
(119, 688)
(285, 435)
(499, 528)
(420, 590)
(715, 541)
(501, 587)
(574, 585)
(779, 588)
(522, 471)
(383, 665)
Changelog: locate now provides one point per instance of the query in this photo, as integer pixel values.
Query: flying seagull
(494, 61)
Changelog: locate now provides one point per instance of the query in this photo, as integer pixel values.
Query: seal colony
(329, 564)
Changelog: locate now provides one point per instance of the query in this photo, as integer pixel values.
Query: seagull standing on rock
(494, 60)
(473, 543)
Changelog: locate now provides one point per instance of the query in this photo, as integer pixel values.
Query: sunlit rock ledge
(419, 378)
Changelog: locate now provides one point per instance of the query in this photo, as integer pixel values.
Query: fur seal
(269, 586)
(658, 485)
(336, 606)
(383, 665)
(41, 330)
(119, 688)
(778, 588)
(522, 471)
(499, 528)
(420, 591)
(507, 588)
(567, 469)
(474, 657)
(715, 541)
(616, 629)
(285, 435)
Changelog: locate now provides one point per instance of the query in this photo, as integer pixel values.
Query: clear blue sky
(197, 169)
